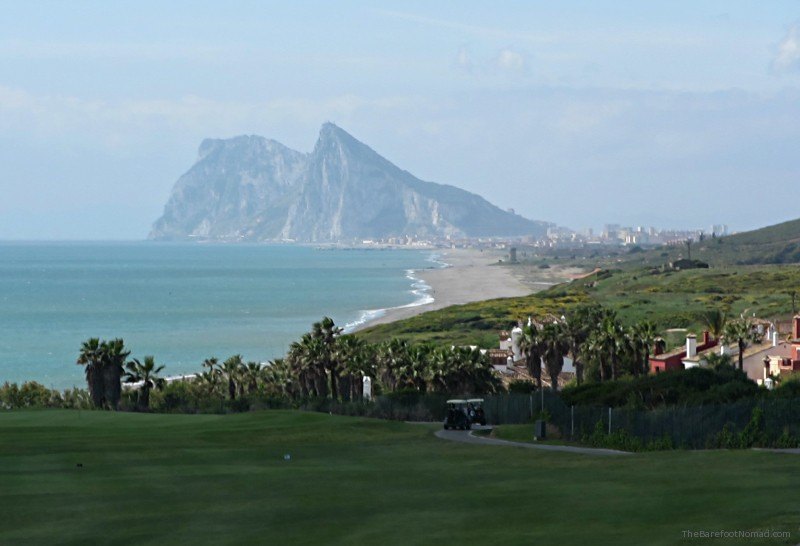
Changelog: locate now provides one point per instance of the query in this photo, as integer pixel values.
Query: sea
(184, 302)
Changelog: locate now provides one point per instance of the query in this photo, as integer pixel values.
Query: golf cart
(475, 411)
(457, 417)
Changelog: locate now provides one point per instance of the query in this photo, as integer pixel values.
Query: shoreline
(467, 275)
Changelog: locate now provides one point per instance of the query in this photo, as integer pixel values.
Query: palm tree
(612, 340)
(555, 346)
(209, 380)
(482, 377)
(315, 360)
(252, 371)
(578, 326)
(296, 362)
(593, 352)
(717, 360)
(642, 336)
(147, 374)
(355, 358)
(394, 364)
(460, 370)
(114, 357)
(326, 332)
(438, 369)
(740, 332)
(714, 321)
(606, 345)
(91, 356)
(279, 379)
(531, 346)
(231, 369)
(419, 358)
(211, 364)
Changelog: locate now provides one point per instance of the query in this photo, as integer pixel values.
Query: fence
(692, 427)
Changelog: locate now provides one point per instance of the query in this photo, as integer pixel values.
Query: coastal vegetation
(324, 364)
(668, 299)
(327, 370)
(608, 323)
(104, 363)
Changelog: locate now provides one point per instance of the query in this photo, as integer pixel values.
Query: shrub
(754, 434)
(29, 395)
(724, 439)
(686, 387)
(786, 440)
(521, 386)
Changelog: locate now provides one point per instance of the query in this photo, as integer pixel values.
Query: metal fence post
(609, 420)
(572, 421)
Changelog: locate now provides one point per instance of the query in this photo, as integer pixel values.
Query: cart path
(467, 437)
(791, 450)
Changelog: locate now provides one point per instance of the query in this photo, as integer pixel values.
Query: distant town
(561, 237)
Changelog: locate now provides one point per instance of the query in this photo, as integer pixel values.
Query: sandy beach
(473, 275)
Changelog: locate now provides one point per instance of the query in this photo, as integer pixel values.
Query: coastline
(467, 275)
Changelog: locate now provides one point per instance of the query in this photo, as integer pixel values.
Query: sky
(671, 114)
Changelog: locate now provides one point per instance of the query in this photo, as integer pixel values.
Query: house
(511, 342)
(502, 360)
(680, 359)
(775, 354)
(776, 360)
(771, 358)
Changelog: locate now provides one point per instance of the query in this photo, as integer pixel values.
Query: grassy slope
(473, 323)
(222, 479)
(671, 300)
(777, 244)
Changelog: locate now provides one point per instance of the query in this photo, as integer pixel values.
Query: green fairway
(222, 479)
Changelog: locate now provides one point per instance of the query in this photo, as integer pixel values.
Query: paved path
(468, 438)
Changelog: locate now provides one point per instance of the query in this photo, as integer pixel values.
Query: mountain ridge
(251, 188)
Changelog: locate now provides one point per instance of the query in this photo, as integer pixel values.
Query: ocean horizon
(184, 302)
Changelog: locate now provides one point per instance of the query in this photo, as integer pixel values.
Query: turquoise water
(184, 302)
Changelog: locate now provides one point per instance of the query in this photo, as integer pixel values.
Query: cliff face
(251, 188)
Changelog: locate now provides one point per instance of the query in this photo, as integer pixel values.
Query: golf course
(289, 477)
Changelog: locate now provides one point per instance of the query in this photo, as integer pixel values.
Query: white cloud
(120, 123)
(788, 55)
(510, 60)
(674, 37)
(46, 50)
(475, 30)
(604, 152)
(463, 59)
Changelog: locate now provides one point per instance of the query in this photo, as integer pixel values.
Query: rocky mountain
(249, 188)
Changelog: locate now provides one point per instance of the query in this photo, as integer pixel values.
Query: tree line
(603, 348)
(594, 338)
(326, 363)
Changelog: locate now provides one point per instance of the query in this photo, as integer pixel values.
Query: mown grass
(222, 479)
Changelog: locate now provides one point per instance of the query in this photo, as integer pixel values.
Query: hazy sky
(580, 113)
